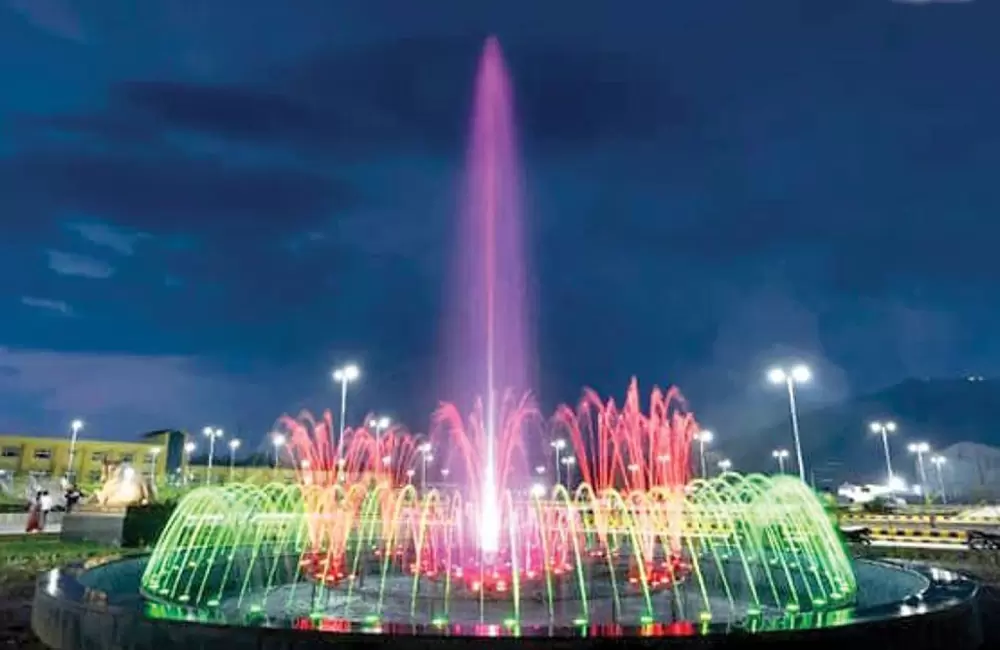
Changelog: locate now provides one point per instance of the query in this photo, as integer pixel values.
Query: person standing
(46, 505)
(35, 514)
(73, 496)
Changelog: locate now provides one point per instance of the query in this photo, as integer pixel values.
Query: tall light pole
(569, 462)
(234, 444)
(920, 448)
(74, 428)
(344, 376)
(725, 465)
(213, 434)
(380, 424)
(938, 460)
(153, 453)
(189, 448)
(558, 444)
(703, 437)
(425, 458)
(278, 441)
(884, 429)
(799, 374)
(780, 455)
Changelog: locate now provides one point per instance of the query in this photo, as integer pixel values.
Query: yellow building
(50, 457)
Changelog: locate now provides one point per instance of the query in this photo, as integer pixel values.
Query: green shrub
(143, 524)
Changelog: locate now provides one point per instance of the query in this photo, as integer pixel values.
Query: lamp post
(569, 462)
(234, 444)
(153, 453)
(278, 441)
(799, 374)
(425, 458)
(780, 455)
(344, 376)
(212, 434)
(380, 424)
(558, 444)
(703, 437)
(884, 429)
(937, 461)
(189, 448)
(74, 427)
(725, 465)
(920, 448)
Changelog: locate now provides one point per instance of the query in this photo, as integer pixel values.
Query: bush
(143, 524)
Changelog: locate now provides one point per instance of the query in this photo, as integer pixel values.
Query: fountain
(365, 543)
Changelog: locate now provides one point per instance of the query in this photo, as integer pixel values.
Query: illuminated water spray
(491, 296)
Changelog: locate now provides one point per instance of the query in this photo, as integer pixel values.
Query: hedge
(143, 524)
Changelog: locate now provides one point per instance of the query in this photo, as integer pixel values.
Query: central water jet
(490, 306)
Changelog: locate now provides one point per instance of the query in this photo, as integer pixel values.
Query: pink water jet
(488, 350)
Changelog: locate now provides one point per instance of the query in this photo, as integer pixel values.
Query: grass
(22, 557)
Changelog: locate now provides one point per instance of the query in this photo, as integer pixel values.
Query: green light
(509, 622)
(753, 611)
(705, 616)
(792, 607)
(439, 622)
(818, 602)
(646, 619)
(579, 621)
(371, 619)
(213, 603)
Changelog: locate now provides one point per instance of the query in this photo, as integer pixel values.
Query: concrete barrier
(15, 522)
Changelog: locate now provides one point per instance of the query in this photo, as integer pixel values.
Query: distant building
(45, 457)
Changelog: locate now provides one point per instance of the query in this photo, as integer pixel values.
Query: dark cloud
(416, 92)
(169, 191)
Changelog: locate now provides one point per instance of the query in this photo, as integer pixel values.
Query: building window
(43, 454)
(11, 452)
(127, 458)
(97, 457)
(149, 458)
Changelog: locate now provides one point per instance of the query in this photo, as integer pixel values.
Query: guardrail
(927, 535)
(923, 519)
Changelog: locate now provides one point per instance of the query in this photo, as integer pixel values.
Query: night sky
(206, 208)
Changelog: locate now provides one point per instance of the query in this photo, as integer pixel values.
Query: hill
(838, 444)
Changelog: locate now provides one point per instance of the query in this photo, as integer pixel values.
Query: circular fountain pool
(77, 608)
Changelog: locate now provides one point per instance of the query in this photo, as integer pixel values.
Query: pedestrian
(34, 515)
(46, 505)
(73, 496)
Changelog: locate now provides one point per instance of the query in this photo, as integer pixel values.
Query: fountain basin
(101, 606)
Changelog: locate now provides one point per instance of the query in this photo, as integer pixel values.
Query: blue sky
(207, 207)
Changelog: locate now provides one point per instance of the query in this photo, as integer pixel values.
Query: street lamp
(426, 457)
(725, 465)
(780, 455)
(74, 427)
(558, 444)
(189, 448)
(344, 376)
(212, 434)
(153, 453)
(278, 440)
(569, 462)
(920, 448)
(703, 437)
(884, 429)
(234, 444)
(938, 460)
(799, 374)
(380, 424)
